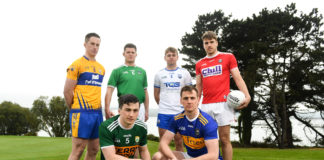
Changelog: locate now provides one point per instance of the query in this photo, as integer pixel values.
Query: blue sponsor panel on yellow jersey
(194, 132)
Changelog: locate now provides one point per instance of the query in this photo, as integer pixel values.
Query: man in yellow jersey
(82, 92)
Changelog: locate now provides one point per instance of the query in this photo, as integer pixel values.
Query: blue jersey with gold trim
(89, 76)
(195, 132)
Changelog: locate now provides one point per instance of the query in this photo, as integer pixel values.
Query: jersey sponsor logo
(127, 151)
(212, 71)
(95, 76)
(194, 143)
(172, 84)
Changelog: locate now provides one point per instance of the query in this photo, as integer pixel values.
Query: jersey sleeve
(198, 72)
(143, 141)
(210, 130)
(233, 62)
(173, 126)
(157, 82)
(73, 71)
(145, 80)
(188, 80)
(105, 137)
(112, 82)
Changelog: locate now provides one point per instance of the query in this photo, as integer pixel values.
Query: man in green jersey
(129, 79)
(121, 135)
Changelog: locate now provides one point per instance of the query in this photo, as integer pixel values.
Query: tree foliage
(280, 55)
(54, 117)
(16, 120)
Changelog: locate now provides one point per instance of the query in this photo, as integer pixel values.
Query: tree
(16, 120)
(55, 118)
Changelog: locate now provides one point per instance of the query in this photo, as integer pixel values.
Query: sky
(40, 39)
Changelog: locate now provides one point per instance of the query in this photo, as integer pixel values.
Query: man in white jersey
(213, 80)
(167, 85)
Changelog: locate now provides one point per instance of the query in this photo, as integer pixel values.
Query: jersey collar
(191, 120)
(217, 53)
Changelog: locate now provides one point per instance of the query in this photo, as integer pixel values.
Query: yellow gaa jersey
(89, 76)
(194, 132)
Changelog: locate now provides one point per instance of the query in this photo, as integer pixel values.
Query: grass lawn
(45, 148)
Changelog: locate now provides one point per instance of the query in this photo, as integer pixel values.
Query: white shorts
(223, 114)
(141, 114)
(186, 155)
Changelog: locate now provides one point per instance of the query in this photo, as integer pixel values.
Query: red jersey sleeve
(233, 62)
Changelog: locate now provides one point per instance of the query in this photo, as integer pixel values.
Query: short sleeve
(173, 126)
(233, 62)
(198, 72)
(73, 71)
(113, 78)
(105, 137)
(143, 141)
(188, 80)
(210, 130)
(157, 82)
(145, 80)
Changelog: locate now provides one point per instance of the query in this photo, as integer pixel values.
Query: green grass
(44, 148)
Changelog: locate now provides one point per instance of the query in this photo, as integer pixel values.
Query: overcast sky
(40, 39)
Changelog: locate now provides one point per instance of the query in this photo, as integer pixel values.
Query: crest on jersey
(179, 76)
(220, 61)
(137, 138)
(197, 132)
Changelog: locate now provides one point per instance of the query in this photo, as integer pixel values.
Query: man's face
(92, 46)
(189, 100)
(129, 113)
(210, 46)
(171, 58)
(130, 55)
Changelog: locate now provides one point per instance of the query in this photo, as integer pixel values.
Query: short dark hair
(89, 35)
(171, 49)
(126, 99)
(130, 45)
(209, 35)
(188, 89)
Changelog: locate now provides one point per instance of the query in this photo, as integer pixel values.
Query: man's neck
(171, 67)
(193, 114)
(212, 54)
(124, 126)
(130, 63)
(91, 58)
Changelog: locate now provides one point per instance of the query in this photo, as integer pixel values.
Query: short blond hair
(171, 49)
(209, 35)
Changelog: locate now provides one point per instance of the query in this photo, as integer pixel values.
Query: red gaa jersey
(215, 76)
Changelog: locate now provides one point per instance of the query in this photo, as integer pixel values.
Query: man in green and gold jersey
(129, 79)
(121, 135)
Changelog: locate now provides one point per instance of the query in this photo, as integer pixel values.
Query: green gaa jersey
(111, 133)
(129, 80)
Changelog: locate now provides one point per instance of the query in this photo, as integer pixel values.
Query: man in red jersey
(213, 80)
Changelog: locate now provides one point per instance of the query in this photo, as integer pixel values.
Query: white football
(235, 98)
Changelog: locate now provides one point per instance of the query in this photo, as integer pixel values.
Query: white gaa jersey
(170, 83)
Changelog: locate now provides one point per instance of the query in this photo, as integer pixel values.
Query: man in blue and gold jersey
(82, 92)
(197, 128)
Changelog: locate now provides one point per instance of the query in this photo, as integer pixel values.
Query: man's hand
(244, 103)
